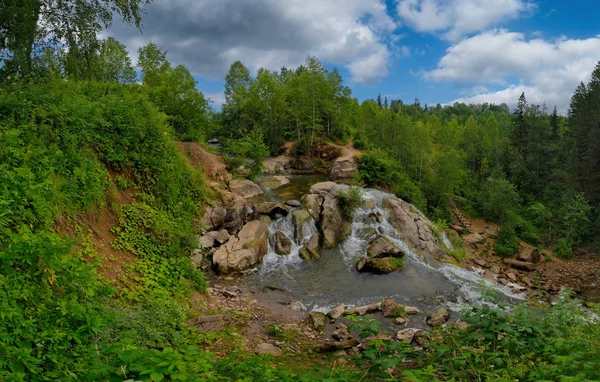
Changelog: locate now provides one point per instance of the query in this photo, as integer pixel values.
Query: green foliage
(563, 248)
(501, 201)
(507, 243)
(250, 147)
(350, 201)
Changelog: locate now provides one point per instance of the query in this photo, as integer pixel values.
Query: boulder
(329, 346)
(341, 333)
(302, 165)
(326, 188)
(237, 216)
(268, 349)
(520, 265)
(337, 312)
(382, 246)
(473, 238)
(439, 317)
(282, 243)
(300, 218)
(411, 310)
(197, 258)
(362, 310)
(383, 265)
(343, 168)
(213, 217)
(244, 251)
(317, 320)
(271, 209)
(332, 224)
(297, 306)
(314, 204)
(274, 182)
(293, 203)
(529, 255)
(406, 335)
(214, 238)
(310, 251)
(245, 188)
(400, 321)
(390, 308)
(413, 226)
(421, 338)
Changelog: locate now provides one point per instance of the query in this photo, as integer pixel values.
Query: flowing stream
(333, 279)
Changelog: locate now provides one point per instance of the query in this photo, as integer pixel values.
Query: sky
(439, 51)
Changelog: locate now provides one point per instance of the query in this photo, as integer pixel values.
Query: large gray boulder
(382, 246)
(245, 188)
(274, 182)
(244, 251)
(310, 251)
(413, 226)
(213, 217)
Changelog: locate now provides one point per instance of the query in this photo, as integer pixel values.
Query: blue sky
(439, 51)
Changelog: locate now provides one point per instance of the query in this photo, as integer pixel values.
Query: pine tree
(379, 103)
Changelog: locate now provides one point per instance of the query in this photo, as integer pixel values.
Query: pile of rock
(383, 256)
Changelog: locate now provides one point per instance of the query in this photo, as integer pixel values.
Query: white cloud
(547, 71)
(217, 99)
(208, 35)
(456, 18)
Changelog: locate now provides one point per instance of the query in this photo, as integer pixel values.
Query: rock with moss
(383, 256)
(317, 320)
(282, 243)
(310, 251)
(300, 218)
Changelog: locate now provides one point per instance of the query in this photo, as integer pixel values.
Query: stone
(400, 321)
(274, 182)
(411, 310)
(414, 227)
(197, 258)
(271, 209)
(439, 317)
(300, 218)
(343, 168)
(529, 255)
(268, 349)
(370, 204)
(314, 204)
(337, 312)
(244, 251)
(317, 320)
(389, 307)
(480, 262)
(265, 219)
(214, 322)
(332, 224)
(379, 266)
(213, 217)
(326, 188)
(406, 335)
(245, 188)
(422, 338)
(310, 251)
(382, 246)
(282, 243)
(293, 203)
(297, 306)
(520, 265)
(214, 238)
(302, 165)
(362, 310)
(341, 333)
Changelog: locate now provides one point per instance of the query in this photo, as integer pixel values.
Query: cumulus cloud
(456, 18)
(208, 35)
(547, 71)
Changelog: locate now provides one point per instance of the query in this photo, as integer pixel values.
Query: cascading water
(333, 279)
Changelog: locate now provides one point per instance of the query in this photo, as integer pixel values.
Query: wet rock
(529, 255)
(343, 168)
(293, 203)
(341, 333)
(243, 251)
(370, 204)
(310, 251)
(267, 348)
(314, 204)
(406, 335)
(317, 320)
(332, 224)
(271, 209)
(389, 308)
(297, 306)
(302, 165)
(300, 218)
(520, 265)
(362, 310)
(379, 266)
(245, 188)
(337, 312)
(382, 246)
(411, 310)
(421, 338)
(265, 219)
(326, 188)
(274, 182)
(413, 226)
(213, 217)
(283, 244)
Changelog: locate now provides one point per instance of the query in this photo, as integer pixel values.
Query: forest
(81, 125)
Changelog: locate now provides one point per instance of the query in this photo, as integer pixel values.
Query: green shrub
(350, 201)
(507, 243)
(563, 249)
